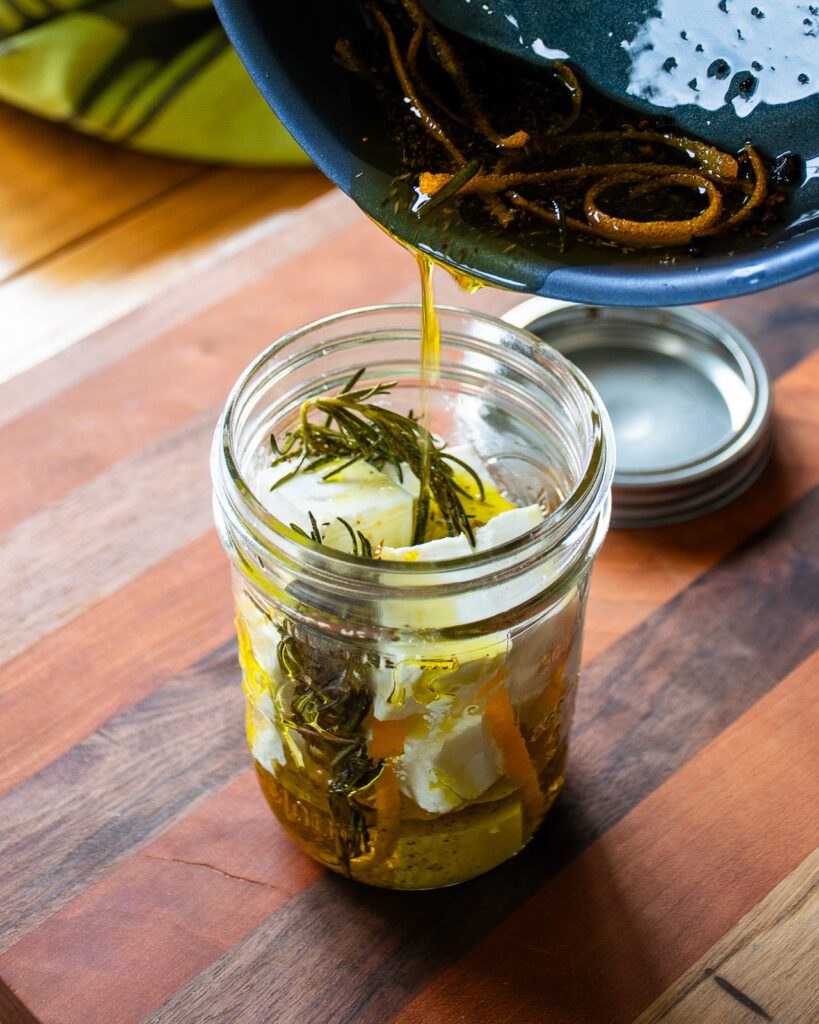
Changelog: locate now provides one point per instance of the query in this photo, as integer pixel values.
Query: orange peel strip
(500, 719)
(758, 193)
(715, 161)
(457, 73)
(491, 684)
(656, 233)
(429, 122)
(387, 738)
(429, 183)
(570, 80)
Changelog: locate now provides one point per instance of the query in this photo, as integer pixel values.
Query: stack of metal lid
(688, 396)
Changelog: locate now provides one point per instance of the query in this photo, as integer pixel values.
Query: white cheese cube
(406, 479)
(366, 498)
(440, 679)
(432, 551)
(467, 453)
(264, 732)
(260, 666)
(263, 633)
(506, 526)
(432, 612)
(450, 765)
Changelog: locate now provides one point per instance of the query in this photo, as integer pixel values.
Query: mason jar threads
(409, 718)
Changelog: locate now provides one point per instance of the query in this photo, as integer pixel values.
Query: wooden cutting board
(142, 877)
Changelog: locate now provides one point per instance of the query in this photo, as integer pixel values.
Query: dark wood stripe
(67, 826)
(784, 332)
(344, 953)
(12, 1010)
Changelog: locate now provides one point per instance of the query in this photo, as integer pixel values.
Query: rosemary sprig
(353, 428)
(452, 188)
(328, 710)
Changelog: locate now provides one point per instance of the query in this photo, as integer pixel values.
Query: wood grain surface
(142, 877)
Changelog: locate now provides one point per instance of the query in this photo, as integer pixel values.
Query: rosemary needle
(452, 187)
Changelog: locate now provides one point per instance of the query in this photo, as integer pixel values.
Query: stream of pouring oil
(430, 356)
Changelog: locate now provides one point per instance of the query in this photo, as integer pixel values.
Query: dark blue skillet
(726, 70)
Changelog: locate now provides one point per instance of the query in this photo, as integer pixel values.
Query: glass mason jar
(409, 721)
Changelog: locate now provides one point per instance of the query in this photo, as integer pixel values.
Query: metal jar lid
(688, 396)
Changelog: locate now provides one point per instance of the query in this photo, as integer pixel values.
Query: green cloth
(158, 75)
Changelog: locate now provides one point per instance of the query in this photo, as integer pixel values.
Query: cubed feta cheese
(406, 478)
(440, 679)
(262, 632)
(507, 526)
(264, 733)
(365, 497)
(450, 764)
(432, 551)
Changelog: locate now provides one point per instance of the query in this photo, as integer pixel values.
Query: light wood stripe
(87, 545)
(40, 213)
(111, 656)
(180, 373)
(686, 863)
(79, 289)
(770, 957)
(233, 262)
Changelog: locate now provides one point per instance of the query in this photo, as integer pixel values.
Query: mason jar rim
(280, 541)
